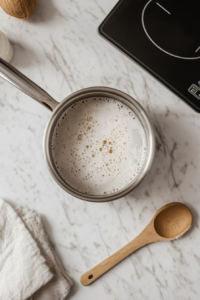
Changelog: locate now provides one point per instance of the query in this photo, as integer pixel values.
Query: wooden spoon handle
(142, 239)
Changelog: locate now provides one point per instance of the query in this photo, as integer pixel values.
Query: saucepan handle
(27, 86)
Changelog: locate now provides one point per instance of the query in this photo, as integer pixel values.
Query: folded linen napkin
(29, 267)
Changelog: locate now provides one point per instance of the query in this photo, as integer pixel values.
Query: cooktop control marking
(195, 91)
(155, 36)
(197, 49)
(163, 8)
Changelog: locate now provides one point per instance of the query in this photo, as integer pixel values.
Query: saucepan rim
(99, 92)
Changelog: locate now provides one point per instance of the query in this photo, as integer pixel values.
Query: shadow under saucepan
(173, 176)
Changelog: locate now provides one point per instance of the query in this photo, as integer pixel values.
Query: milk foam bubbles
(98, 146)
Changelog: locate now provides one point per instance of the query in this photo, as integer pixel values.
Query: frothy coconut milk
(98, 146)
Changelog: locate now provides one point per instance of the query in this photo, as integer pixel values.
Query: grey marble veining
(59, 48)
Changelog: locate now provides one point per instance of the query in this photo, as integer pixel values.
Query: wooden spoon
(170, 222)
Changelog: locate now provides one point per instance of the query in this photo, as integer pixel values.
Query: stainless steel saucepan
(27, 86)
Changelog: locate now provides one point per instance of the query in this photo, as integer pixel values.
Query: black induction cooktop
(163, 36)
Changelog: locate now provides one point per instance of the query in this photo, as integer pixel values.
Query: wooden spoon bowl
(173, 221)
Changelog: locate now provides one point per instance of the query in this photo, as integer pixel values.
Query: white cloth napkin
(29, 268)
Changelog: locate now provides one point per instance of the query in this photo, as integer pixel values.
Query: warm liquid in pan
(98, 146)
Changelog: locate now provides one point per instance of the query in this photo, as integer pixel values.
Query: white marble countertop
(59, 48)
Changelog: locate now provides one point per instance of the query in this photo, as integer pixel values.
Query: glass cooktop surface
(163, 36)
